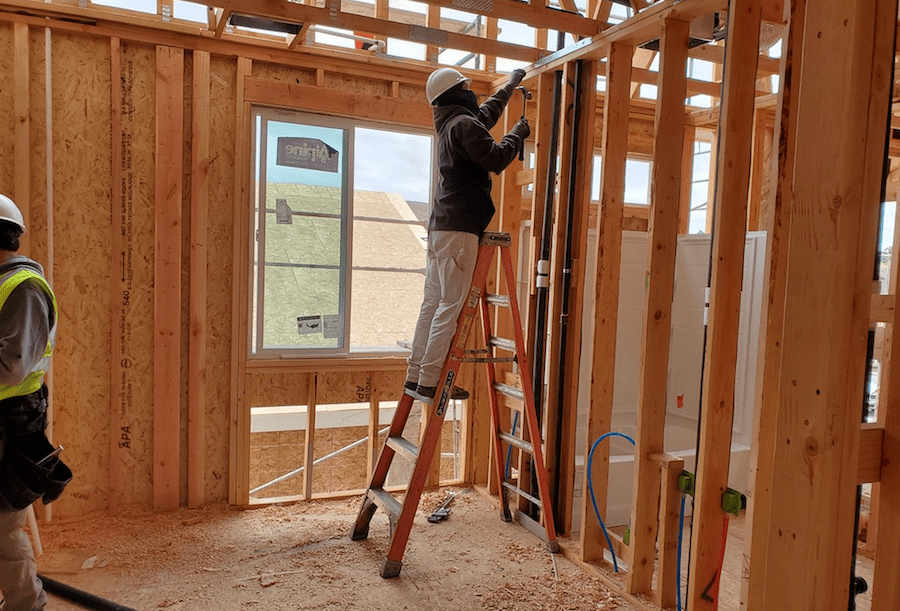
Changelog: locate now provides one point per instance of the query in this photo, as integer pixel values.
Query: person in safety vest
(461, 210)
(30, 468)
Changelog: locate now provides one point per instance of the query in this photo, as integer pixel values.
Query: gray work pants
(448, 275)
(19, 582)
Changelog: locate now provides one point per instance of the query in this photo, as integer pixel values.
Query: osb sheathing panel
(37, 223)
(220, 248)
(133, 452)
(81, 235)
(7, 116)
(331, 80)
(287, 74)
(85, 200)
(276, 389)
(350, 387)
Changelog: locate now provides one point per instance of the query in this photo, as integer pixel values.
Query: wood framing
(318, 99)
(239, 457)
(836, 191)
(730, 227)
(199, 278)
(661, 243)
(373, 447)
(614, 151)
(310, 437)
(778, 225)
(886, 522)
(687, 179)
(167, 274)
(302, 13)
(143, 125)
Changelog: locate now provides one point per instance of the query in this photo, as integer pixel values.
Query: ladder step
(495, 238)
(386, 502)
(490, 359)
(509, 391)
(502, 343)
(523, 494)
(512, 440)
(404, 447)
(500, 301)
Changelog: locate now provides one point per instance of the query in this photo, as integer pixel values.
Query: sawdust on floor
(300, 556)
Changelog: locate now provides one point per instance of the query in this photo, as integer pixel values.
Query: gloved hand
(516, 77)
(522, 129)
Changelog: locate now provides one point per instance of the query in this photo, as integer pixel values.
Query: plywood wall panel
(219, 273)
(82, 158)
(277, 389)
(7, 124)
(284, 73)
(132, 454)
(37, 226)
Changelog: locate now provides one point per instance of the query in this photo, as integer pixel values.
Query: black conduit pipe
(543, 267)
(567, 279)
(543, 264)
(81, 597)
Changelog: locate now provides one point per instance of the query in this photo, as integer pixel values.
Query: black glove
(516, 77)
(522, 129)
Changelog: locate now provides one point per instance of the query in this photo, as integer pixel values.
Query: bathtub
(680, 441)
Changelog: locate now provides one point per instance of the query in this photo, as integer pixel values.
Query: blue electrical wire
(509, 450)
(680, 537)
(591, 489)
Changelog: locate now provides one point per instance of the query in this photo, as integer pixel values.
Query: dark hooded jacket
(467, 153)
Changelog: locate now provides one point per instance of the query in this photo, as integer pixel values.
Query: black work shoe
(459, 394)
(425, 394)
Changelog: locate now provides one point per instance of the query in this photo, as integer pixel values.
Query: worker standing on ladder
(461, 211)
(29, 466)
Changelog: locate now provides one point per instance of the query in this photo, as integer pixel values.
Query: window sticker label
(332, 326)
(307, 325)
(307, 153)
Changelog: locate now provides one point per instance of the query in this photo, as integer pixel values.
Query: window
(338, 243)
(465, 23)
(700, 186)
(637, 181)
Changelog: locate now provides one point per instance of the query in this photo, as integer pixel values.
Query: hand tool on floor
(442, 512)
(526, 95)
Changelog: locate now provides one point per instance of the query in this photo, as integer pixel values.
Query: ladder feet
(363, 519)
(553, 546)
(505, 515)
(390, 568)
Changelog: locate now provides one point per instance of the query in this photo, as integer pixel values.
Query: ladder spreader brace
(401, 515)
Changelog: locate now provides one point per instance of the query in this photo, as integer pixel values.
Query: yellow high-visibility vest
(35, 378)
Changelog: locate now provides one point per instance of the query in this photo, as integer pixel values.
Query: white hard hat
(9, 211)
(442, 80)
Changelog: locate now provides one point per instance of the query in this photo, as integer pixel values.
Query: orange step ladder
(401, 514)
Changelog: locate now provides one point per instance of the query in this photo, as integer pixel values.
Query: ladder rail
(494, 402)
(441, 399)
(534, 430)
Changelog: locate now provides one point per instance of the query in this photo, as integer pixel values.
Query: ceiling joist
(531, 14)
(332, 16)
(222, 17)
